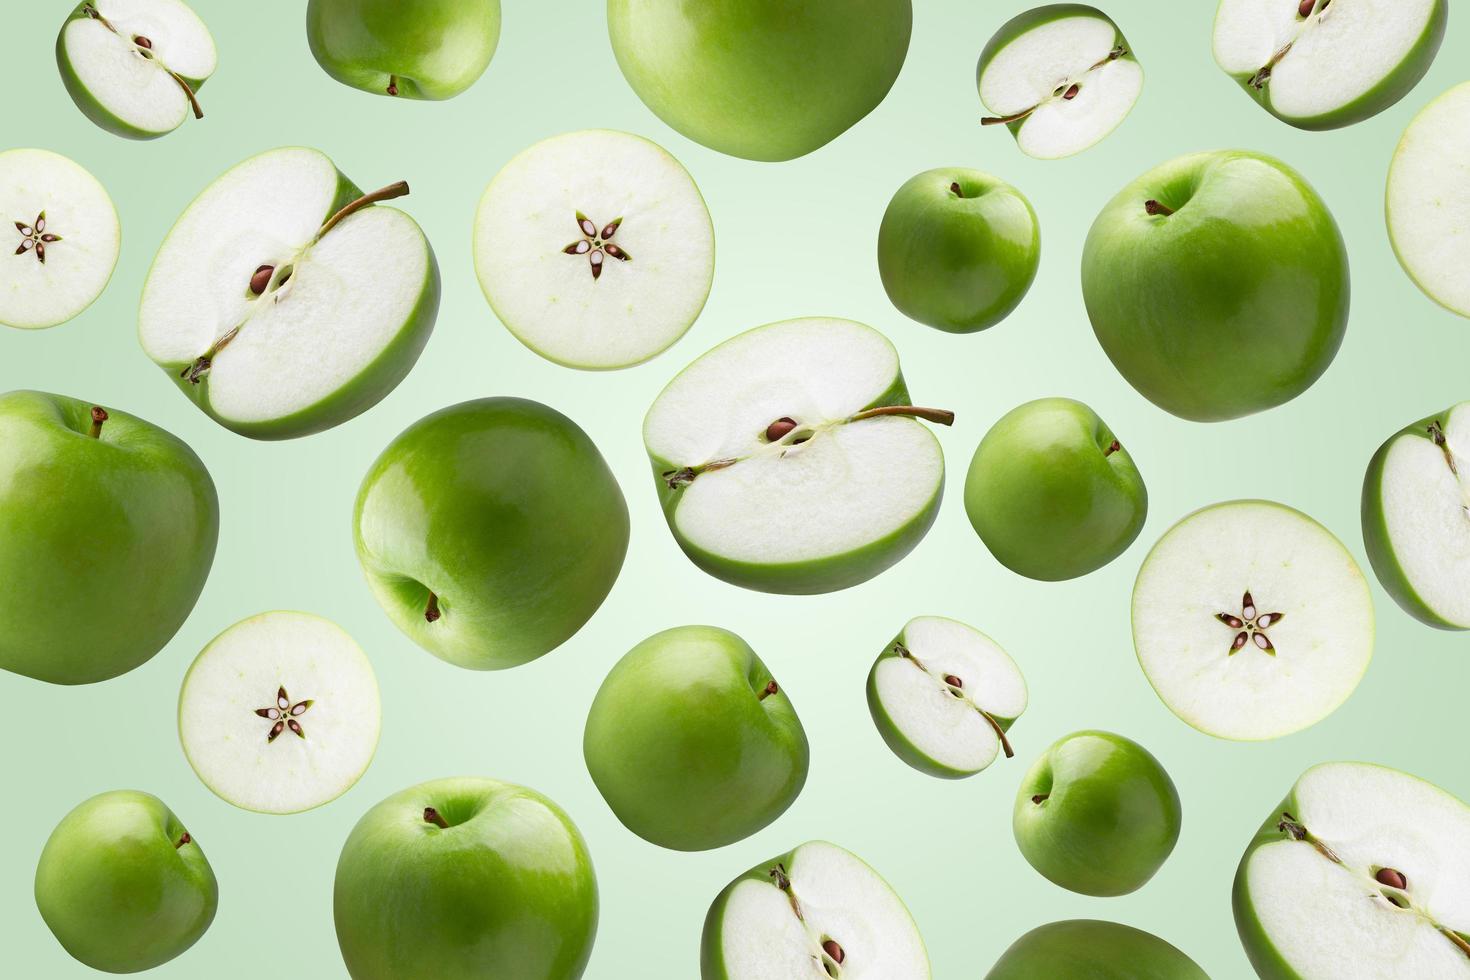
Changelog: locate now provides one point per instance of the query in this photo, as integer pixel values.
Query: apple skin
(958, 262)
(685, 749)
(1234, 304)
(114, 538)
(1110, 817)
(435, 49)
(1094, 949)
(506, 890)
(507, 512)
(1048, 494)
(761, 79)
(122, 885)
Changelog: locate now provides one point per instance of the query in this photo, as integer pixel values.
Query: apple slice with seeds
(1428, 201)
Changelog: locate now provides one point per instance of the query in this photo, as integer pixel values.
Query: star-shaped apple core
(34, 238)
(597, 244)
(1250, 626)
(284, 713)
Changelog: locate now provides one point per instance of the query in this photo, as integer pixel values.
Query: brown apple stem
(939, 416)
(185, 839)
(956, 190)
(1113, 55)
(431, 611)
(1157, 208)
(189, 92)
(99, 415)
(392, 84)
(1007, 120)
(1457, 939)
(767, 691)
(432, 816)
(1040, 798)
(399, 189)
(1113, 447)
(1000, 733)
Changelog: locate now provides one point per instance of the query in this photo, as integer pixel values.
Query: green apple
(1217, 284)
(417, 49)
(1053, 493)
(788, 459)
(1428, 198)
(491, 531)
(135, 67)
(958, 249)
(816, 911)
(1358, 874)
(110, 523)
(283, 302)
(1317, 64)
(943, 695)
(1097, 814)
(1095, 950)
(1060, 77)
(1251, 620)
(468, 878)
(122, 885)
(692, 742)
(761, 79)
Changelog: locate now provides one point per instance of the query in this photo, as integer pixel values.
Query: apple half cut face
(943, 695)
(1428, 201)
(64, 238)
(1251, 620)
(818, 911)
(1061, 77)
(1359, 873)
(283, 303)
(280, 713)
(788, 459)
(1324, 64)
(595, 249)
(134, 67)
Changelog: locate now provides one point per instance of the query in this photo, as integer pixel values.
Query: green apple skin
(505, 890)
(504, 510)
(1108, 818)
(761, 79)
(122, 885)
(958, 262)
(113, 538)
(685, 746)
(426, 49)
(1096, 950)
(1053, 493)
(1235, 303)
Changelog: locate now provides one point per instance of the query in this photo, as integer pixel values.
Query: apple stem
(1113, 55)
(1007, 120)
(1157, 208)
(1040, 798)
(1457, 939)
(398, 189)
(99, 415)
(189, 92)
(392, 84)
(767, 691)
(956, 190)
(185, 839)
(1113, 447)
(938, 416)
(432, 816)
(1000, 733)
(431, 611)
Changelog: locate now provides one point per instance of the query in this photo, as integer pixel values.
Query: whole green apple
(1217, 284)
(958, 249)
(491, 531)
(1097, 814)
(692, 742)
(417, 49)
(761, 79)
(1093, 949)
(110, 522)
(122, 885)
(468, 878)
(1053, 493)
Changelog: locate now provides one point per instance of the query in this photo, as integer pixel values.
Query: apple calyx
(284, 713)
(184, 838)
(1437, 436)
(143, 47)
(99, 415)
(829, 951)
(597, 244)
(1157, 208)
(956, 688)
(433, 816)
(34, 238)
(1066, 91)
(1251, 626)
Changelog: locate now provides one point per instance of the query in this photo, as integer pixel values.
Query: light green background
(794, 239)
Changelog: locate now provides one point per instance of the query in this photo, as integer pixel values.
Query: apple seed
(261, 279)
(834, 950)
(1391, 878)
(597, 245)
(779, 429)
(284, 714)
(143, 42)
(1250, 626)
(35, 238)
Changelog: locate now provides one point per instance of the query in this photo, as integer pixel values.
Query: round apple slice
(1061, 77)
(1428, 200)
(280, 713)
(595, 249)
(943, 695)
(134, 67)
(817, 911)
(1251, 620)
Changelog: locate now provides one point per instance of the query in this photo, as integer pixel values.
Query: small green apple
(110, 523)
(468, 878)
(1095, 950)
(1097, 814)
(761, 79)
(1053, 493)
(1428, 198)
(417, 49)
(958, 249)
(491, 531)
(122, 885)
(1217, 284)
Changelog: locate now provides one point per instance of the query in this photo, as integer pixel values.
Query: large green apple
(958, 249)
(1097, 814)
(1217, 283)
(491, 531)
(761, 79)
(692, 742)
(417, 49)
(1095, 950)
(468, 878)
(1052, 492)
(122, 885)
(109, 523)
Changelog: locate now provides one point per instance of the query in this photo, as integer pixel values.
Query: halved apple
(1428, 200)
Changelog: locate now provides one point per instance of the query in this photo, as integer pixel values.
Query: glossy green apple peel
(411, 49)
(1096, 950)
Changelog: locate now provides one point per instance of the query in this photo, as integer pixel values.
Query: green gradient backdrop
(794, 239)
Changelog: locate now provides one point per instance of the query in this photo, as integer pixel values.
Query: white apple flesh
(1428, 201)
